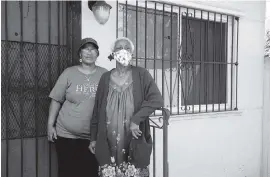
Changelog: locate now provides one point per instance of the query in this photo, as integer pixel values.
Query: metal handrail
(165, 122)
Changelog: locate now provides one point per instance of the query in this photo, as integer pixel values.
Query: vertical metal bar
(137, 33)
(163, 48)
(67, 35)
(49, 69)
(226, 59)
(179, 42)
(182, 58)
(155, 32)
(7, 47)
(64, 36)
(58, 36)
(165, 145)
(171, 58)
(36, 84)
(154, 152)
(117, 16)
(193, 69)
(220, 59)
(200, 77)
(207, 43)
(71, 31)
(214, 64)
(186, 63)
(145, 36)
(21, 84)
(232, 52)
(236, 65)
(126, 20)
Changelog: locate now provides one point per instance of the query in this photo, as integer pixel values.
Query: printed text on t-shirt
(87, 89)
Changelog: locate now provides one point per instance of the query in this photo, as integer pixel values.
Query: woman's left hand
(92, 147)
(135, 130)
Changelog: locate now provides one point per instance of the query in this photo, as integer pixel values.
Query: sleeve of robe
(152, 99)
(95, 117)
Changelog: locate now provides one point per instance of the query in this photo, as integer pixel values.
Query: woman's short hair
(126, 39)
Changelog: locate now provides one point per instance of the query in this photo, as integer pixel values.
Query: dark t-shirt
(76, 91)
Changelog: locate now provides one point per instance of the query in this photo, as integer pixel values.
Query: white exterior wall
(215, 144)
(104, 34)
(266, 121)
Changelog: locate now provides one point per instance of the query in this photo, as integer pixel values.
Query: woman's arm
(95, 115)
(53, 112)
(153, 99)
(94, 123)
(58, 96)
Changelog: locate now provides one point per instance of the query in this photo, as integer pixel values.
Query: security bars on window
(191, 53)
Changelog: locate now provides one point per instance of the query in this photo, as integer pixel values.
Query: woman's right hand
(135, 130)
(92, 146)
(51, 133)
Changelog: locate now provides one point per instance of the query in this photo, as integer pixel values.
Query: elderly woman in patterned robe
(120, 129)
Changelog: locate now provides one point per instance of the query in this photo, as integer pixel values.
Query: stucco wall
(215, 144)
(105, 35)
(266, 121)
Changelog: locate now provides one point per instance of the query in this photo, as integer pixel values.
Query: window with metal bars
(191, 53)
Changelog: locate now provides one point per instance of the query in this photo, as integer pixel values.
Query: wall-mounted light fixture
(101, 10)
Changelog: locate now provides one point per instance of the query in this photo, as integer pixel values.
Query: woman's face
(122, 52)
(89, 54)
(122, 44)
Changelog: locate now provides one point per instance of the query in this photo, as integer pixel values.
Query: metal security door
(38, 41)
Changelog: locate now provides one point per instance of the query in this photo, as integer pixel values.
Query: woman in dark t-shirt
(71, 111)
